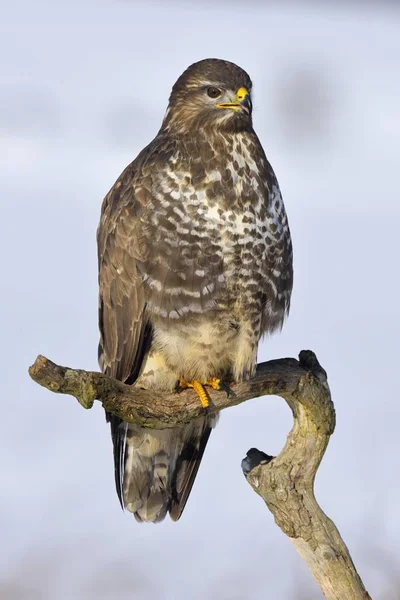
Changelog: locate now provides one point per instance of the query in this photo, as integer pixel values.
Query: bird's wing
(278, 265)
(154, 471)
(121, 295)
(125, 331)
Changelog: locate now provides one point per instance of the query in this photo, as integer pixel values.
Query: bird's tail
(155, 469)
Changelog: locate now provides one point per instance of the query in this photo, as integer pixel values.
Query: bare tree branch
(285, 483)
(136, 405)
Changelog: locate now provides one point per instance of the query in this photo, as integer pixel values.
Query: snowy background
(84, 86)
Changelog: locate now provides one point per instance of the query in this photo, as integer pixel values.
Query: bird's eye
(213, 92)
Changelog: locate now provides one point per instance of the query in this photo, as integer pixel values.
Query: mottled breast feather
(218, 230)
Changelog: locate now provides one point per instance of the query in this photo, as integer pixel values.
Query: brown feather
(188, 464)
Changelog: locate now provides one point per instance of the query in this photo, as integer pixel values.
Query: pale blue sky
(83, 87)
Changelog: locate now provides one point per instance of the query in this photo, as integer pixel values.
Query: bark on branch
(286, 482)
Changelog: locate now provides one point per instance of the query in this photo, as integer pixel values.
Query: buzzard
(195, 265)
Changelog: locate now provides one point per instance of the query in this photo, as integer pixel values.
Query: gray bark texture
(285, 482)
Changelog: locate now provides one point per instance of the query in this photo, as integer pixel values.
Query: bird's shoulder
(132, 191)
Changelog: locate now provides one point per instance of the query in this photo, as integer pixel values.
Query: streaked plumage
(195, 264)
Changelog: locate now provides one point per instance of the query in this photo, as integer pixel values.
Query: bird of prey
(195, 265)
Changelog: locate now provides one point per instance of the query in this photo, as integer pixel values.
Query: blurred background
(83, 87)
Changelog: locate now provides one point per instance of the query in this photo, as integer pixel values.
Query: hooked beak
(242, 103)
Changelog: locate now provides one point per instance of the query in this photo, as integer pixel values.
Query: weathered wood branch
(286, 482)
(136, 405)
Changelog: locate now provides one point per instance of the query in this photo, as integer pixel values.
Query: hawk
(195, 265)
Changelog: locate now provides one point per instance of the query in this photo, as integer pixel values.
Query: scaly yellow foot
(218, 384)
(215, 383)
(198, 388)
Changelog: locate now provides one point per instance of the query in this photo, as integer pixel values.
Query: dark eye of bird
(213, 92)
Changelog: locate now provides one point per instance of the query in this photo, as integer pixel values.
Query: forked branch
(285, 483)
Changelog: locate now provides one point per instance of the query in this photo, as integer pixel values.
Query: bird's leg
(198, 388)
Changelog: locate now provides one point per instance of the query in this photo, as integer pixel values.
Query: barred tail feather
(155, 469)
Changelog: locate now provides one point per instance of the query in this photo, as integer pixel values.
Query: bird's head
(210, 94)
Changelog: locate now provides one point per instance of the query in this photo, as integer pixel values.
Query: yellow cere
(241, 93)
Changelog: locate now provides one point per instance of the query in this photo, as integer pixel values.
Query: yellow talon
(215, 383)
(183, 385)
(198, 388)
